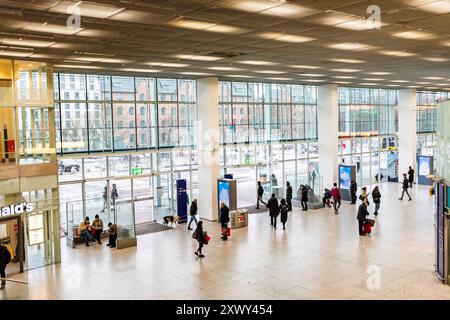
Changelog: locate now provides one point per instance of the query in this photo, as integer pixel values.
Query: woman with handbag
(201, 237)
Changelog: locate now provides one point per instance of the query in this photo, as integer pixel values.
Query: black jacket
(289, 192)
(224, 215)
(376, 195)
(260, 191)
(362, 212)
(200, 235)
(304, 195)
(193, 209)
(354, 186)
(405, 183)
(283, 213)
(5, 256)
(272, 204)
(411, 175)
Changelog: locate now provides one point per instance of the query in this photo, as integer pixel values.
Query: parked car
(68, 167)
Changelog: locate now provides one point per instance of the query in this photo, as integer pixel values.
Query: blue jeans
(86, 235)
(193, 218)
(377, 207)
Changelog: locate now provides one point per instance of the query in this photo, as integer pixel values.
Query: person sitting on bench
(85, 231)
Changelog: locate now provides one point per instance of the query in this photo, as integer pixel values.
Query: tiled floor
(319, 256)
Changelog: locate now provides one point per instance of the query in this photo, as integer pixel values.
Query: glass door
(143, 200)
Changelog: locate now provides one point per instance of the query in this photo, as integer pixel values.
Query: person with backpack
(272, 204)
(353, 189)
(5, 258)
(405, 186)
(260, 193)
(336, 194)
(200, 236)
(283, 212)
(376, 197)
(304, 198)
(224, 219)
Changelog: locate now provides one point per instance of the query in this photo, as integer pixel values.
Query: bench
(77, 239)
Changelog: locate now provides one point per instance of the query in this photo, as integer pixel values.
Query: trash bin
(239, 218)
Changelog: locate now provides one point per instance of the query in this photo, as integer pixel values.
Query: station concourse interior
(130, 111)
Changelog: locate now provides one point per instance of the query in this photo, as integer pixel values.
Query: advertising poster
(424, 166)
(345, 175)
(224, 193)
(383, 161)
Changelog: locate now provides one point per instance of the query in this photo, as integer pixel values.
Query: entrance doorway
(12, 237)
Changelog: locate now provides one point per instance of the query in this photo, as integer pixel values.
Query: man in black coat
(353, 189)
(410, 176)
(224, 219)
(362, 214)
(405, 186)
(5, 258)
(289, 196)
(193, 212)
(260, 193)
(272, 204)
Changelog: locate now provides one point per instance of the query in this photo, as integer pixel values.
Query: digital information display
(345, 175)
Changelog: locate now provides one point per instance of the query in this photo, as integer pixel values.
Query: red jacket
(335, 193)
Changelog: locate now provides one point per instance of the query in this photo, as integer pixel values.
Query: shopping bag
(227, 232)
(207, 238)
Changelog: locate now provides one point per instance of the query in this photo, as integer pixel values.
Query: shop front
(29, 229)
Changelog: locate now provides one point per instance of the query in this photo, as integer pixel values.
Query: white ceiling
(140, 37)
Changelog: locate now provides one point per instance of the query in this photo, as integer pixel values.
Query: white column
(406, 131)
(328, 119)
(208, 147)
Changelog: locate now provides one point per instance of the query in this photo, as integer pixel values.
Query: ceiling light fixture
(301, 66)
(196, 57)
(397, 53)
(414, 35)
(257, 62)
(292, 38)
(351, 46)
(345, 60)
(345, 70)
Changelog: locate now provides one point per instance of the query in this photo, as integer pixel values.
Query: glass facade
(426, 120)
(368, 125)
(98, 113)
(367, 112)
(252, 112)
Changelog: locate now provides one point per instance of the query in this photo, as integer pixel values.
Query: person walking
(283, 213)
(362, 214)
(289, 195)
(405, 186)
(274, 180)
(114, 195)
(105, 198)
(199, 235)
(224, 219)
(260, 193)
(376, 197)
(336, 194)
(272, 204)
(5, 258)
(304, 198)
(193, 213)
(353, 189)
(410, 176)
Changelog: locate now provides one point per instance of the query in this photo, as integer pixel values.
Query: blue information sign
(182, 200)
